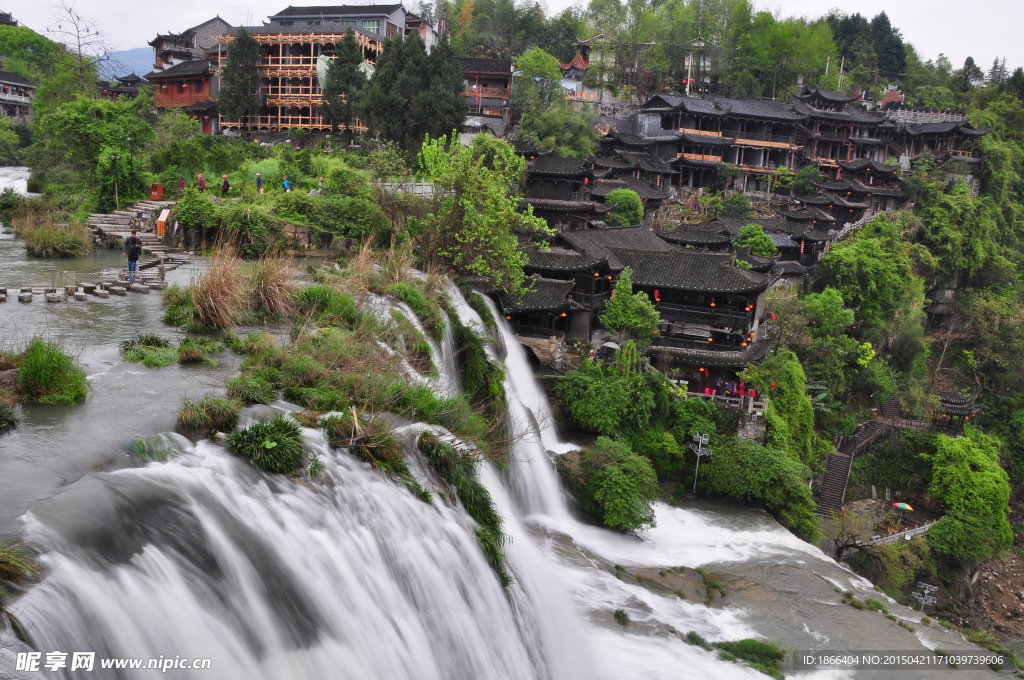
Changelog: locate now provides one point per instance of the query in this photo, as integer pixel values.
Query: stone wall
(549, 351)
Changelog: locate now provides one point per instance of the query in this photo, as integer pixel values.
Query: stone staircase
(832, 488)
(140, 216)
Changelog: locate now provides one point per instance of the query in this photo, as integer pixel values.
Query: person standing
(286, 185)
(225, 186)
(132, 250)
(259, 182)
(202, 182)
(181, 185)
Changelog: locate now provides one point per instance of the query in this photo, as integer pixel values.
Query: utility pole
(699, 448)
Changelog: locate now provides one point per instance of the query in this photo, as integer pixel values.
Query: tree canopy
(629, 313)
(239, 96)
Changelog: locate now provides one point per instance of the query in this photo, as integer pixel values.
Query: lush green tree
(538, 82)
(747, 471)
(626, 207)
(736, 205)
(975, 493)
(789, 415)
(828, 316)
(630, 314)
(443, 106)
(343, 84)
(475, 219)
(560, 129)
(752, 236)
(613, 483)
(240, 96)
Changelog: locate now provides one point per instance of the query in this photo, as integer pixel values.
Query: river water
(351, 576)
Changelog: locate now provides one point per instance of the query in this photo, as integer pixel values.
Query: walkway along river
(350, 576)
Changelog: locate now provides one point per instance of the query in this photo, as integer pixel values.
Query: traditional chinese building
(487, 86)
(190, 86)
(16, 96)
(193, 44)
(294, 53)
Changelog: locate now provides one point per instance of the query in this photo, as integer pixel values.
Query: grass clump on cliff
(762, 656)
(10, 417)
(48, 231)
(149, 350)
(459, 471)
(48, 375)
(273, 445)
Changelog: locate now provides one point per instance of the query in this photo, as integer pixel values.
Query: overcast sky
(983, 29)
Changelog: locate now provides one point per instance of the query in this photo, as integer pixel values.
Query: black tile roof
(782, 240)
(562, 167)
(630, 140)
(604, 187)
(186, 68)
(827, 95)
(663, 101)
(555, 205)
(865, 164)
(707, 140)
(692, 271)
(738, 358)
(561, 259)
(481, 65)
(14, 79)
(478, 123)
(546, 295)
(685, 235)
(945, 128)
(524, 148)
(646, 162)
(614, 163)
(849, 114)
(337, 10)
(789, 268)
(598, 242)
(326, 27)
(756, 262)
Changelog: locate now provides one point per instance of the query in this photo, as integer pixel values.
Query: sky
(983, 29)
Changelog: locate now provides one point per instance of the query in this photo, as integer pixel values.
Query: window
(197, 86)
(372, 25)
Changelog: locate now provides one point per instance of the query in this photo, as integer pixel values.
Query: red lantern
(773, 316)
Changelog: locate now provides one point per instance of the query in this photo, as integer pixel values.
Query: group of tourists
(225, 185)
(724, 388)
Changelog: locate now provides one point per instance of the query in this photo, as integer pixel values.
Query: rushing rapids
(351, 576)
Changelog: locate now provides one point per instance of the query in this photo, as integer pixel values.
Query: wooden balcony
(721, 320)
(700, 157)
(284, 122)
(491, 92)
(765, 140)
(178, 99)
(960, 153)
(706, 133)
(18, 98)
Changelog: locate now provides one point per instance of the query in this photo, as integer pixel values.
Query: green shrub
(749, 472)
(626, 207)
(251, 389)
(10, 418)
(612, 483)
(429, 314)
(49, 376)
(302, 370)
(696, 639)
(149, 349)
(16, 564)
(759, 655)
(460, 473)
(272, 445)
(482, 379)
(327, 305)
(209, 414)
(194, 350)
(621, 617)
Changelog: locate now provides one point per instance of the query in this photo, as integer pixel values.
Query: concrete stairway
(832, 489)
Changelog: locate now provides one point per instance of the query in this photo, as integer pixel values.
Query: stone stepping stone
(158, 285)
(3, 298)
(101, 294)
(139, 288)
(25, 297)
(81, 296)
(117, 290)
(27, 289)
(69, 291)
(89, 288)
(54, 297)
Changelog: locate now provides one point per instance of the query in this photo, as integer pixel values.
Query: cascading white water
(351, 576)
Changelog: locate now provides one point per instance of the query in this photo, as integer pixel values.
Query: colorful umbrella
(902, 506)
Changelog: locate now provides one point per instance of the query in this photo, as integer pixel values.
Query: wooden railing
(170, 101)
(8, 97)
(762, 139)
(494, 92)
(284, 122)
(700, 157)
(706, 133)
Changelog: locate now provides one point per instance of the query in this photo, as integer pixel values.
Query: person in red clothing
(181, 185)
(202, 182)
(225, 186)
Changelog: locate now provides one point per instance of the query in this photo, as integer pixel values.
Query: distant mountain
(138, 60)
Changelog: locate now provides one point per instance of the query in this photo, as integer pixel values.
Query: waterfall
(351, 576)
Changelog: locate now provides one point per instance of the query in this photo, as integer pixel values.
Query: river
(350, 576)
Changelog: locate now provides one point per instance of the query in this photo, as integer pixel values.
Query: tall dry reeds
(272, 286)
(220, 294)
(50, 234)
